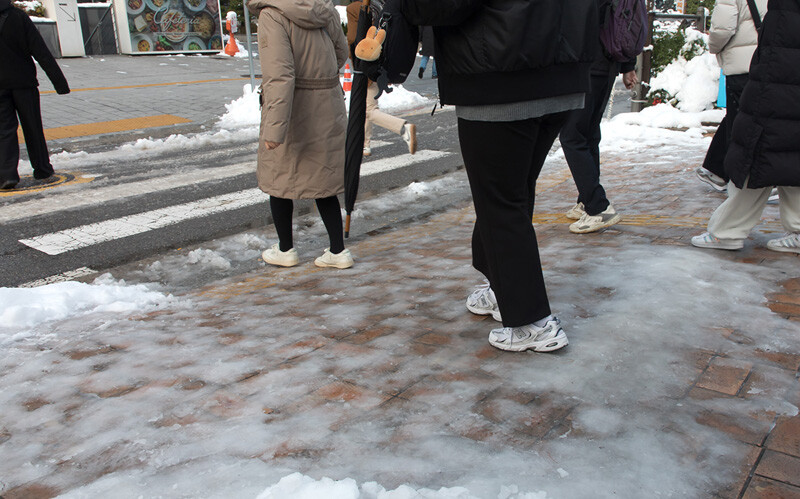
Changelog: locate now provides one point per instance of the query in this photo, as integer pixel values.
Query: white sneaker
(707, 240)
(483, 302)
(711, 179)
(790, 243)
(593, 223)
(539, 339)
(773, 195)
(343, 260)
(576, 212)
(274, 256)
(410, 136)
(367, 151)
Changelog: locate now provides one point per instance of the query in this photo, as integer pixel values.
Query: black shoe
(421, 72)
(8, 184)
(43, 175)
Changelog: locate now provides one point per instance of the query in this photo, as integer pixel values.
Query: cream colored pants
(736, 217)
(378, 117)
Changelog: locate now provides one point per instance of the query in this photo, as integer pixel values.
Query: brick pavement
(381, 358)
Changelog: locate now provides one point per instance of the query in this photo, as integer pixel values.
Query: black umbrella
(354, 144)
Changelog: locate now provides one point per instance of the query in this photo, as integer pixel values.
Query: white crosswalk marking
(87, 235)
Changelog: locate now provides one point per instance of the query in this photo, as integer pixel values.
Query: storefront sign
(171, 26)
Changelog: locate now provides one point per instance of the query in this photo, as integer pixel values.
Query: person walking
(511, 94)
(427, 52)
(580, 140)
(733, 38)
(303, 121)
(407, 131)
(764, 149)
(20, 44)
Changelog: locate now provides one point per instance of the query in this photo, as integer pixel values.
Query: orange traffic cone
(347, 84)
(231, 47)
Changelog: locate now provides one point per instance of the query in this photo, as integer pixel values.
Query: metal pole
(249, 47)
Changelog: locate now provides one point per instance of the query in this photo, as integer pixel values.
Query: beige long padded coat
(301, 47)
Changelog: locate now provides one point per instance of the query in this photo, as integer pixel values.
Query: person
(733, 38)
(580, 140)
(426, 51)
(764, 149)
(511, 95)
(20, 44)
(407, 131)
(301, 146)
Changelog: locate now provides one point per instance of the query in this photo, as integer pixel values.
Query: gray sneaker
(593, 223)
(711, 179)
(483, 302)
(790, 243)
(539, 339)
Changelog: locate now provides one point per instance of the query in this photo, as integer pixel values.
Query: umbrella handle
(347, 226)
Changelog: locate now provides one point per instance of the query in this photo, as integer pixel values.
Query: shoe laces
(483, 295)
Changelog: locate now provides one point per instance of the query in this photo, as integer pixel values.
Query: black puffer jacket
(503, 51)
(766, 133)
(19, 40)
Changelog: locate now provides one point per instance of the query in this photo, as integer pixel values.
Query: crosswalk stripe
(87, 235)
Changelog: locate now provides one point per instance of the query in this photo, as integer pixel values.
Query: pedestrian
(427, 52)
(20, 44)
(407, 131)
(303, 121)
(511, 95)
(764, 149)
(580, 139)
(733, 38)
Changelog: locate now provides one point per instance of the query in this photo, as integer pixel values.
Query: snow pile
(242, 112)
(693, 84)
(207, 258)
(665, 116)
(28, 307)
(299, 486)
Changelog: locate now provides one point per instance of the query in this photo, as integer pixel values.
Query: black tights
(329, 210)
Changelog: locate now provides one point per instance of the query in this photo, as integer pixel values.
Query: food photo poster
(174, 26)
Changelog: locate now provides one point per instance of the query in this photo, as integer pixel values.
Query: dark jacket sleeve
(42, 54)
(625, 67)
(439, 12)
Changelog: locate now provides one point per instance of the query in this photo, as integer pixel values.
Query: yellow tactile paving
(27, 186)
(65, 132)
(122, 87)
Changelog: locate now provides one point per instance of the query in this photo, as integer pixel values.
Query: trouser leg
(580, 141)
(790, 208)
(736, 217)
(282, 218)
(501, 159)
(9, 144)
(26, 100)
(331, 213)
(378, 117)
(423, 63)
(715, 157)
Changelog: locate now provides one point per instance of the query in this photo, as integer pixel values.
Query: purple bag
(624, 30)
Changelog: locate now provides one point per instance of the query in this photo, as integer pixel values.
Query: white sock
(542, 322)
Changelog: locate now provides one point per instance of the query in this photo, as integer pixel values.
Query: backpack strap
(755, 14)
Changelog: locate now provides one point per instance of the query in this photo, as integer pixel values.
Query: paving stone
(724, 376)
(781, 467)
(785, 437)
(762, 488)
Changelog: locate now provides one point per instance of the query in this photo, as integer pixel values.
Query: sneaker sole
(784, 250)
(332, 265)
(611, 221)
(732, 246)
(281, 264)
(482, 311)
(560, 341)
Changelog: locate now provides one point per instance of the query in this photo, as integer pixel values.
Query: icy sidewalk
(679, 379)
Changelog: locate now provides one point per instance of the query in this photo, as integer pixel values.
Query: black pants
(22, 102)
(580, 141)
(715, 157)
(329, 210)
(503, 161)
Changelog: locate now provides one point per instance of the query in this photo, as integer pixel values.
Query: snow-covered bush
(690, 82)
(31, 7)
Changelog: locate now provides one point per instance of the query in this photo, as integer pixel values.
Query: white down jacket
(733, 36)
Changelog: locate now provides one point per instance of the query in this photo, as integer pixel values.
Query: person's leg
(580, 139)
(282, 218)
(372, 105)
(434, 72)
(790, 208)
(498, 159)
(423, 64)
(9, 145)
(736, 217)
(331, 213)
(378, 117)
(549, 129)
(26, 100)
